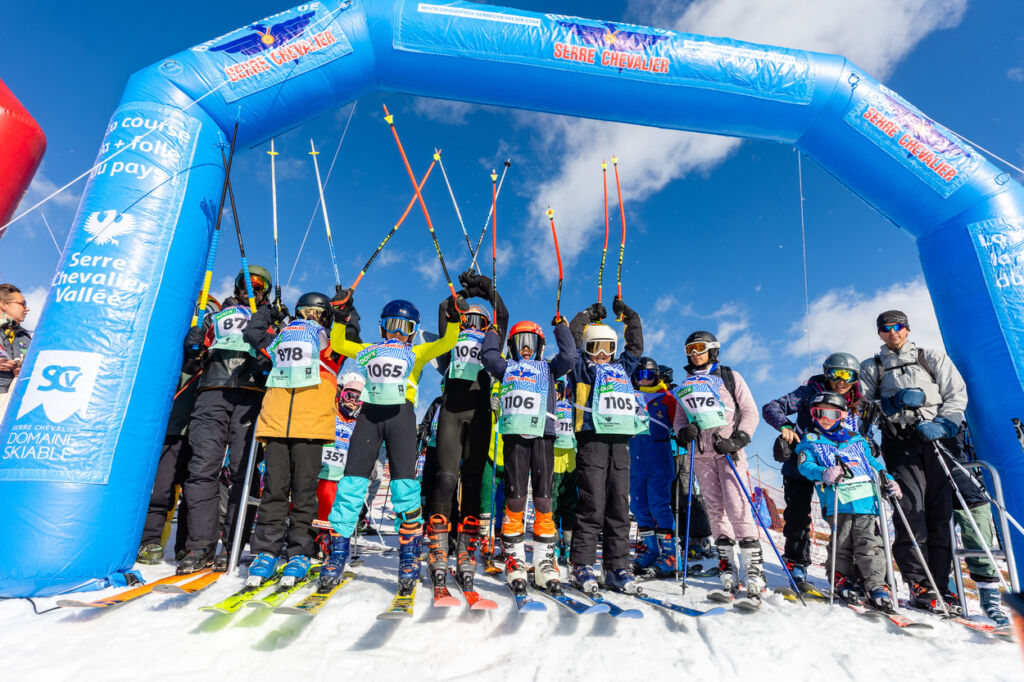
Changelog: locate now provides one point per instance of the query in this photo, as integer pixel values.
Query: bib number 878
(290, 354)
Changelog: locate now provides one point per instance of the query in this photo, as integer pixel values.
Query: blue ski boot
(620, 580)
(881, 598)
(410, 537)
(295, 570)
(990, 604)
(647, 550)
(333, 569)
(665, 566)
(583, 579)
(798, 572)
(261, 568)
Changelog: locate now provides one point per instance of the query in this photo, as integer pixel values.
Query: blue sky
(713, 224)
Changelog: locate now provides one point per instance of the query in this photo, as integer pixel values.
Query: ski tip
(597, 608)
(447, 602)
(533, 606)
(73, 603)
(484, 605)
(716, 611)
(291, 611)
(393, 615)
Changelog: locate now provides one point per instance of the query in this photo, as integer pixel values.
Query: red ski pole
(622, 215)
(558, 254)
(604, 252)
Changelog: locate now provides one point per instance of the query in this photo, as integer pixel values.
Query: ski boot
(410, 537)
(196, 560)
(583, 579)
(990, 604)
(563, 547)
(437, 545)
(923, 597)
(150, 553)
(753, 568)
(545, 566)
(726, 566)
(515, 562)
(847, 590)
(333, 569)
(798, 571)
(665, 566)
(261, 568)
(221, 561)
(465, 551)
(295, 570)
(881, 598)
(621, 580)
(646, 550)
(952, 603)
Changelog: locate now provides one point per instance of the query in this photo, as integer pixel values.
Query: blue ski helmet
(399, 316)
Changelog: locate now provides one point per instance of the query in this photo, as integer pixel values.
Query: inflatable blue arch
(80, 441)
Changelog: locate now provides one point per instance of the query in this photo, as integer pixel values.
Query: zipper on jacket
(288, 424)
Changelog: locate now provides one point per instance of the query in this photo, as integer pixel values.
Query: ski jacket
(740, 411)
(584, 372)
(661, 407)
(856, 493)
(563, 361)
(930, 370)
(463, 394)
(14, 342)
(222, 367)
(426, 432)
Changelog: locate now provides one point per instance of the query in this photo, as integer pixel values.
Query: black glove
(343, 303)
(596, 312)
(688, 435)
(781, 450)
(621, 309)
(278, 312)
(476, 285)
(727, 446)
(558, 319)
(194, 338)
(456, 308)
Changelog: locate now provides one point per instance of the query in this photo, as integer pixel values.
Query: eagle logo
(104, 227)
(264, 38)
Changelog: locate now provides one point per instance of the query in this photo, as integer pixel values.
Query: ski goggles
(700, 347)
(315, 313)
(524, 340)
(400, 325)
(832, 413)
(259, 285)
(897, 327)
(474, 321)
(838, 374)
(600, 348)
(646, 375)
(349, 395)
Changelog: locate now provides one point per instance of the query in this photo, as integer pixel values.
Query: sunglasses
(700, 347)
(398, 324)
(827, 413)
(474, 321)
(898, 327)
(845, 375)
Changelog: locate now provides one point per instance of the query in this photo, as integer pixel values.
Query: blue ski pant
(652, 470)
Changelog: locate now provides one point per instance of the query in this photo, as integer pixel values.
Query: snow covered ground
(165, 637)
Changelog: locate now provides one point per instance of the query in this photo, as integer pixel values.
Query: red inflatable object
(22, 144)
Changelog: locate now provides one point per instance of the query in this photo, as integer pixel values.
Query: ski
(986, 629)
(192, 586)
(720, 596)
(808, 590)
(281, 593)
(574, 605)
(615, 611)
(473, 598)
(678, 608)
(238, 599)
(442, 595)
(524, 602)
(746, 604)
(124, 595)
(401, 605)
(312, 604)
(490, 568)
(899, 620)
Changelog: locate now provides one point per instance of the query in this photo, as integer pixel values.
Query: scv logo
(61, 378)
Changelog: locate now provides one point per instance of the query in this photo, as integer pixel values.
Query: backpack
(920, 361)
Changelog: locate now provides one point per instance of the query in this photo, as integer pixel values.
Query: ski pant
(529, 460)
(700, 526)
(463, 438)
(652, 469)
(859, 552)
(376, 477)
(982, 570)
(796, 517)
(171, 471)
(221, 419)
(602, 463)
(428, 490)
(564, 498)
(927, 503)
(395, 427)
(292, 468)
(727, 507)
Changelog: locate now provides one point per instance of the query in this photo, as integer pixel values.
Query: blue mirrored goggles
(646, 375)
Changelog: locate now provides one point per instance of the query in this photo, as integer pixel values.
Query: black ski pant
(463, 438)
(796, 517)
(602, 462)
(927, 503)
(292, 469)
(222, 419)
(529, 460)
(700, 526)
(429, 474)
(171, 471)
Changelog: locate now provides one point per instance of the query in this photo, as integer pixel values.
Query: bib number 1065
(385, 370)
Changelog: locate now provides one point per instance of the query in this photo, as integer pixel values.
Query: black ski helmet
(841, 361)
(706, 337)
(261, 282)
(666, 374)
(646, 367)
(317, 302)
(830, 399)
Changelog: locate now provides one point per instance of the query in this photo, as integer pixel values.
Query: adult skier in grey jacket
(918, 398)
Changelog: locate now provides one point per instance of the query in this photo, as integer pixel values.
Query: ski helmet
(399, 316)
(666, 374)
(702, 342)
(316, 307)
(646, 370)
(350, 388)
(841, 367)
(526, 335)
(599, 339)
(261, 282)
(830, 405)
(477, 317)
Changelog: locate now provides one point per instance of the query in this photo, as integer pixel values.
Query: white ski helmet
(599, 337)
(352, 380)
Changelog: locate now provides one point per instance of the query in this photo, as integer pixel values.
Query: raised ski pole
(208, 277)
(981, 489)
(241, 246)
(622, 216)
(918, 552)
(327, 223)
(558, 254)
(689, 509)
(494, 241)
(419, 197)
(604, 251)
(458, 213)
(273, 202)
(757, 519)
(480, 242)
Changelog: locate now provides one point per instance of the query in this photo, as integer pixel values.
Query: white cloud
(665, 303)
(444, 111)
(34, 298)
(844, 320)
(1015, 73)
(875, 34)
(42, 187)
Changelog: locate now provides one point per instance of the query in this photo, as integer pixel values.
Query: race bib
(524, 393)
(565, 435)
(466, 356)
(614, 403)
(296, 355)
(334, 456)
(643, 419)
(228, 325)
(386, 367)
(699, 396)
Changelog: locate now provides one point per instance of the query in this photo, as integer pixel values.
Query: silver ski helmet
(841, 367)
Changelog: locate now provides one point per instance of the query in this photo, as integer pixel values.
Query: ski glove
(456, 306)
(736, 442)
(892, 489)
(903, 399)
(596, 312)
(621, 309)
(343, 303)
(278, 312)
(194, 338)
(688, 435)
(940, 427)
(558, 319)
(831, 475)
(496, 404)
(781, 450)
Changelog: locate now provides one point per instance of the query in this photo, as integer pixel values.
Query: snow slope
(165, 637)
